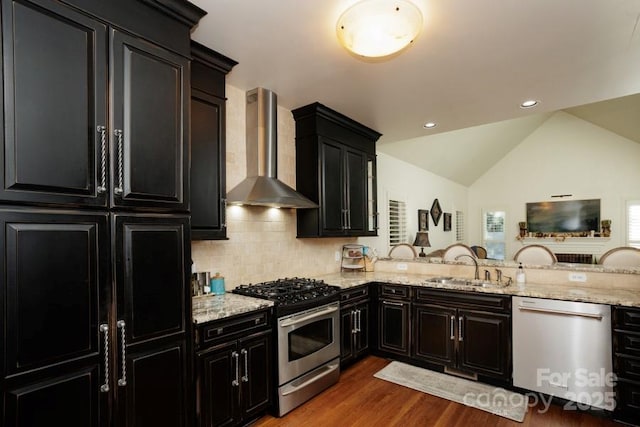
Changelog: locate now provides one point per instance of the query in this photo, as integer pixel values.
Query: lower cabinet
(626, 363)
(394, 321)
(463, 331)
(354, 324)
(234, 368)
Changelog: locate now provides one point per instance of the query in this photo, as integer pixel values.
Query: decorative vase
(606, 227)
(523, 228)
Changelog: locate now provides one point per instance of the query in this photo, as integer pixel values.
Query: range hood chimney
(262, 187)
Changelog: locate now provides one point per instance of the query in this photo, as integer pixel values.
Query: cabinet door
(207, 167)
(332, 190)
(361, 344)
(434, 334)
(149, 130)
(484, 344)
(153, 314)
(347, 332)
(55, 97)
(394, 327)
(156, 388)
(256, 373)
(217, 388)
(356, 191)
(54, 295)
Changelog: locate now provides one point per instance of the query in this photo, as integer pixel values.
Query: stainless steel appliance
(307, 332)
(563, 348)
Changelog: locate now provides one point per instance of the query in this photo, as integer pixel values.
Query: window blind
(459, 226)
(397, 222)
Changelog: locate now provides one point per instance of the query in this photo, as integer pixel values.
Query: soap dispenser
(520, 274)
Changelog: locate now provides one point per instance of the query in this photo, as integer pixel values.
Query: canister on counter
(217, 284)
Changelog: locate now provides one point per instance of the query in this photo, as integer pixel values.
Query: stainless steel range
(307, 332)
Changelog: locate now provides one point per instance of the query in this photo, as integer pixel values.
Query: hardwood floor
(360, 399)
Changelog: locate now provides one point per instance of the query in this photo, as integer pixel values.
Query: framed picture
(423, 220)
(436, 212)
(447, 222)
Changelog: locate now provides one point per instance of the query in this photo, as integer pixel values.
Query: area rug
(495, 400)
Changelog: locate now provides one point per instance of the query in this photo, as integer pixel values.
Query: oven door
(307, 340)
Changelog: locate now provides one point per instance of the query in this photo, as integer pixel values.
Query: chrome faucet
(477, 275)
(487, 275)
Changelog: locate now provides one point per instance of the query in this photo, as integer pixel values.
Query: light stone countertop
(569, 291)
(207, 308)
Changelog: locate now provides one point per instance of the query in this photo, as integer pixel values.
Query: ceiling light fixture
(429, 125)
(529, 103)
(379, 28)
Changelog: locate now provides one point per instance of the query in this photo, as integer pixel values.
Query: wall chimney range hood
(262, 187)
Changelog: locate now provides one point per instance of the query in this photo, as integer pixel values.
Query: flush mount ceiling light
(529, 103)
(429, 125)
(379, 28)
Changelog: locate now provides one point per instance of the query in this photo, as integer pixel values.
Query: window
(459, 226)
(493, 236)
(397, 222)
(633, 223)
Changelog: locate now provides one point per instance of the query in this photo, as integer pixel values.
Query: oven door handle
(329, 369)
(295, 320)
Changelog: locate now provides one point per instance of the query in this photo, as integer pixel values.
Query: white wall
(565, 155)
(418, 188)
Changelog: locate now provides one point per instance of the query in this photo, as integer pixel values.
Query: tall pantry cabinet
(94, 293)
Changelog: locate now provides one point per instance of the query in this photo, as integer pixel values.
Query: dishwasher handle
(597, 316)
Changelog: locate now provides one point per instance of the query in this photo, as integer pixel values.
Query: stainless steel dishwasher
(563, 349)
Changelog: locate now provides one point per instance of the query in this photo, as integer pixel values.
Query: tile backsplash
(262, 241)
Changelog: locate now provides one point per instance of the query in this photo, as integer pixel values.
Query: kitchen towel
(491, 399)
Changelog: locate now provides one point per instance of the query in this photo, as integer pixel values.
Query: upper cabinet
(336, 168)
(208, 187)
(92, 115)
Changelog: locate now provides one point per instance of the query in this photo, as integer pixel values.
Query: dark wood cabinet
(335, 167)
(234, 369)
(354, 324)
(626, 363)
(94, 300)
(208, 156)
(92, 131)
(463, 331)
(394, 319)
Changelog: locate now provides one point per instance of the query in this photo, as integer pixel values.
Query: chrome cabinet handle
(397, 304)
(102, 130)
(354, 328)
(122, 381)
(118, 189)
(236, 382)
(344, 219)
(245, 377)
(358, 321)
(104, 328)
(453, 322)
(460, 328)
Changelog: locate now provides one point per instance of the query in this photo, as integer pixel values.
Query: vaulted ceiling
(468, 71)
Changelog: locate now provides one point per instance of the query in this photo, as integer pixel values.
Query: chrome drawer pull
(245, 377)
(460, 328)
(102, 130)
(453, 322)
(118, 189)
(104, 328)
(236, 381)
(123, 380)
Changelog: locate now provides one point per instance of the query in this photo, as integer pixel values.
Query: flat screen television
(565, 216)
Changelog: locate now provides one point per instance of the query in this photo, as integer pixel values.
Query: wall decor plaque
(436, 212)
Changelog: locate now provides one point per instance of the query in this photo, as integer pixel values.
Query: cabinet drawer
(627, 367)
(395, 291)
(349, 295)
(226, 328)
(626, 318)
(465, 299)
(627, 343)
(628, 397)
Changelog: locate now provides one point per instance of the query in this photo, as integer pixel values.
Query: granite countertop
(213, 307)
(569, 291)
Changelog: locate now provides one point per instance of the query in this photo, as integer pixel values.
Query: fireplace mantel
(572, 245)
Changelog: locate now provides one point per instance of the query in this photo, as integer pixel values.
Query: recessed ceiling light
(429, 125)
(529, 103)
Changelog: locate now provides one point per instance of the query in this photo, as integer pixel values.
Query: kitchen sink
(459, 281)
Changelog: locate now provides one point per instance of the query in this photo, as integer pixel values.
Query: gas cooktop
(295, 293)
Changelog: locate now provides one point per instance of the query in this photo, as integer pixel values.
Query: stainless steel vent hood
(262, 187)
